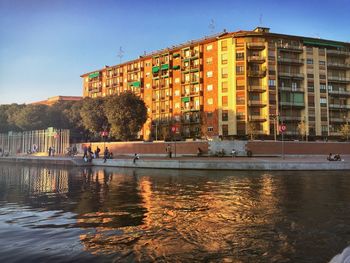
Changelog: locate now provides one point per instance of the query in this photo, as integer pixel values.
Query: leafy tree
(302, 128)
(93, 115)
(32, 117)
(251, 130)
(345, 131)
(12, 111)
(4, 125)
(126, 114)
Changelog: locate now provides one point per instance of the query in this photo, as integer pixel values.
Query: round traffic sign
(173, 129)
(283, 128)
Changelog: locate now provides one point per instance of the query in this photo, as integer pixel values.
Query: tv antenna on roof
(212, 26)
(261, 20)
(120, 55)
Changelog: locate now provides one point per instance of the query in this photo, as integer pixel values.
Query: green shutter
(155, 69)
(176, 67)
(185, 99)
(94, 75)
(165, 67)
(298, 98)
(176, 55)
(136, 84)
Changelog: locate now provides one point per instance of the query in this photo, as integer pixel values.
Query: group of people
(335, 157)
(89, 154)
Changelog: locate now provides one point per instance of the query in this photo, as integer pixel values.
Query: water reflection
(176, 216)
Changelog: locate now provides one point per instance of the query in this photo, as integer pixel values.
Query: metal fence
(38, 141)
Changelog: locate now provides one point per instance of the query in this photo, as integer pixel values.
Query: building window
(224, 72)
(224, 45)
(310, 61)
(272, 83)
(209, 87)
(224, 115)
(177, 92)
(177, 105)
(310, 76)
(209, 115)
(210, 129)
(322, 63)
(240, 70)
(224, 101)
(224, 86)
(210, 101)
(224, 59)
(209, 74)
(225, 130)
(240, 56)
(209, 47)
(322, 87)
(177, 80)
(209, 60)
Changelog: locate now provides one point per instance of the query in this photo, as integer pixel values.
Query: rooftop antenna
(120, 55)
(261, 20)
(212, 26)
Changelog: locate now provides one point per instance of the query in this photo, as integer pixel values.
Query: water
(55, 214)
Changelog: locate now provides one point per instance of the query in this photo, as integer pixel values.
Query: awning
(94, 75)
(164, 67)
(155, 69)
(322, 43)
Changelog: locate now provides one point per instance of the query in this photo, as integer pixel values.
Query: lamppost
(274, 117)
(104, 135)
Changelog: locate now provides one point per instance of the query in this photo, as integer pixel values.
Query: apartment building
(232, 84)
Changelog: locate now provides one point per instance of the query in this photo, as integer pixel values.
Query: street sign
(173, 129)
(283, 128)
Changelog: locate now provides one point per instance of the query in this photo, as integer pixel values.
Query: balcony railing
(291, 118)
(339, 92)
(338, 79)
(294, 104)
(336, 119)
(338, 52)
(339, 106)
(256, 103)
(257, 88)
(291, 89)
(337, 65)
(256, 45)
(291, 74)
(286, 46)
(291, 60)
(257, 118)
(258, 59)
(257, 73)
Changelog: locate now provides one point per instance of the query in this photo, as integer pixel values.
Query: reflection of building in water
(36, 180)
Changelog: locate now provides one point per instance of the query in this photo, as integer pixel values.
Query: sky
(45, 45)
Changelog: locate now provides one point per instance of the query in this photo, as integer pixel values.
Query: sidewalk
(200, 163)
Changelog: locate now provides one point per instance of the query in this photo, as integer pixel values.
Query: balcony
(338, 52)
(257, 118)
(339, 92)
(291, 61)
(289, 47)
(291, 74)
(339, 106)
(257, 73)
(256, 45)
(291, 89)
(291, 118)
(336, 119)
(257, 89)
(337, 65)
(338, 79)
(256, 103)
(257, 59)
(292, 104)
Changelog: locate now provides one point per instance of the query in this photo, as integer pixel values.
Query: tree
(32, 117)
(302, 128)
(251, 129)
(93, 115)
(345, 131)
(12, 112)
(4, 125)
(126, 114)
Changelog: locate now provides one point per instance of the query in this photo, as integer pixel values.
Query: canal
(61, 214)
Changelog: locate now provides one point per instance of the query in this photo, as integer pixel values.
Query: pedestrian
(98, 150)
(199, 152)
(53, 151)
(105, 154)
(136, 157)
(75, 150)
(1, 153)
(168, 150)
(85, 149)
(50, 151)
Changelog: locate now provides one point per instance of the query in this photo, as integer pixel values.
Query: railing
(257, 118)
(287, 46)
(257, 73)
(337, 78)
(338, 52)
(256, 103)
(291, 74)
(291, 60)
(291, 89)
(339, 106)
(291, 118)
(256, 45)
(337, 65)
(256, 58)
(257, 88)
(339, 92)
(289, 103)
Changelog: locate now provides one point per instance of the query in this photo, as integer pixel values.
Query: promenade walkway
(202, 163)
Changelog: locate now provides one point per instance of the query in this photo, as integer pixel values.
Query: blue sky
(46, 45)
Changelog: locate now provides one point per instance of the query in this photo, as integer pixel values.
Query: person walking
(85, 153)
(105, 154)
(98, 150)
(136, 157)
(168, 150)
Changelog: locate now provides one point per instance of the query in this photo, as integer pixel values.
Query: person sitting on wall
(199, 152)
(233, 153)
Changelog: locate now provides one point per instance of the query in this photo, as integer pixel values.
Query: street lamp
(104, 135)
(274, 117)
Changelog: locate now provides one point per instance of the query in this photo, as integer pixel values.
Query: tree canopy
(126, 114)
